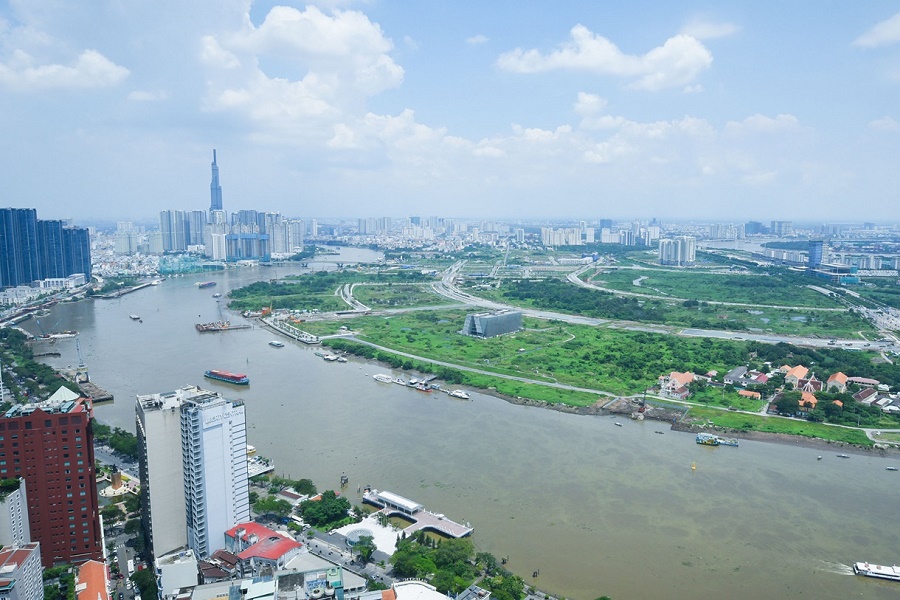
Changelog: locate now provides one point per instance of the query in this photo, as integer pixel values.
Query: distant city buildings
(193, 449)
(32, 249)
(679, 252)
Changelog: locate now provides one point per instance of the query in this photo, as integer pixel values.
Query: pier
(291, 332)
(394, 504)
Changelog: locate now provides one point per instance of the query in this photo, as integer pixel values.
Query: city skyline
(347, 109)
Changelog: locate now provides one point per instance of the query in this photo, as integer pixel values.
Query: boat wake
(834, 567)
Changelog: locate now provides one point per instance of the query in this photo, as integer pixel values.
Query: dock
(291, 332)
(423, 520)
(257, 465)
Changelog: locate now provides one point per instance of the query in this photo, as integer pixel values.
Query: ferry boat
(382, 378)
(459, 394)
(707, 439)
(235, 378)
(206, 284)
(276, 344)
(867, 570)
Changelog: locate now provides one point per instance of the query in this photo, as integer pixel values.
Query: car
(121, 596)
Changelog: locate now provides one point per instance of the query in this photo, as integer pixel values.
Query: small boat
(382, 378)
(413, 381)
(134, 317)
(217, 295)
(205, 284)
(819, 457)
(399, 381)
(276, 344)
(890, 468)
(617, 424)
(422, 387)
(867, 570)
(459, 394)
(319, 353)
(330, 357)
(341, 359)
(250, 450)
(842, 456)
(660, 432)
(693, 466)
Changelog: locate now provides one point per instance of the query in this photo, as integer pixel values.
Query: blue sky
(720, 110)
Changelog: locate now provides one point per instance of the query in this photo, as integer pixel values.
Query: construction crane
(81, 372)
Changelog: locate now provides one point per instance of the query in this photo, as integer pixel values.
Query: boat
(342, 359)
(399, 381)
(413, 381)
(330, 357)
(206, 284)
(842, 456)
(819, 457)
(459, 394)
(250, 450)
(276, 344)
(235, 378)
(890, 468)
(320, 354)
(134, 317)
(881, 572)
(617, 424)
(422, 387)
(707, 439)
(382, 378)
(728, 441)
(660, 432)
(217, 295)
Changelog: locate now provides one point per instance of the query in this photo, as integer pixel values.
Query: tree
(132, 526)
(132, 503)
(788, 403)
(111, 513)
(273, 506)
(366, 547)
(328, 509)
(145, 581)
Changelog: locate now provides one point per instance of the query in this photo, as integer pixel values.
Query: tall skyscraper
(679, 252)
(18, 246)
(816, 253)
(51, 446)
(51, 249)
(216, 484)
(193, 462)
(215, 190)
(175, 229)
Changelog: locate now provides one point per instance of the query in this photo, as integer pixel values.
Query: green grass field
(773, 424)
(378, 296)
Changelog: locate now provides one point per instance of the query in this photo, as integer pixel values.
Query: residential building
(214, 461)
(837, 383)
(21, 575)
(781, 228)
(14, 527)
(32, 249)
(680, 251)
(675, 384)
(175, 571)
(51, 446)
(793, 375)
(195, 440)
(260, 550)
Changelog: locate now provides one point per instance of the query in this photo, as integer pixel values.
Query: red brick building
(50, 444)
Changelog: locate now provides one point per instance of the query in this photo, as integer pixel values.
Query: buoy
(693, 466)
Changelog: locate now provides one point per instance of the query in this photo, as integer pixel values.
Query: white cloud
(213, 54)
(676, 63)
(762, 124)
(706, 30)
(476, 40)
(90, 70)
(148, 95)
(589, 104)
(885, 33)
(885, 124)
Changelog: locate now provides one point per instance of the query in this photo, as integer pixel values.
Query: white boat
(276, 344)
(134, 317)
(330, 357)
(881, 572)
(459, 394)
(399, 381)
(382, 378)
(250, 450)
(342, 359)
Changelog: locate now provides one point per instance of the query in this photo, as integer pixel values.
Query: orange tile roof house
(92, 582)
(675, 384)
(795, 374)
(749, 394)
(837, 382)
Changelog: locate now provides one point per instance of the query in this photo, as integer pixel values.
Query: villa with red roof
(92, 583)
(795, 374)
(837, 383)
(674, 385)
(259, 549)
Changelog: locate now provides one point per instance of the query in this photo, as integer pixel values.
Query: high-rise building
(14, 527)
(816, 252)
(215, 190)
(782, 228)
(606, 224)
(51, 446)
(21, 576)
(18, 246)
(77, 252)
(679, 252)
(193, 467)
(174, 228)
(214, 460)
(51, 249)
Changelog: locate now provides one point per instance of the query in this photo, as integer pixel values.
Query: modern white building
(21, 572)
(14, 528)
(680, 251)
(193, 461)
(214, 461)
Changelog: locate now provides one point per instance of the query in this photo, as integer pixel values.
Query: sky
(510, 109)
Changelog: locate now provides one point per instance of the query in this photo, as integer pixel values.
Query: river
(595, 508)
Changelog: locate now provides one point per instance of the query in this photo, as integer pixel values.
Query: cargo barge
(235, 378)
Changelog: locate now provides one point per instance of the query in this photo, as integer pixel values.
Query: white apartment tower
(214, 461)
(14, 528)
(193, 461)
(680, 251)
